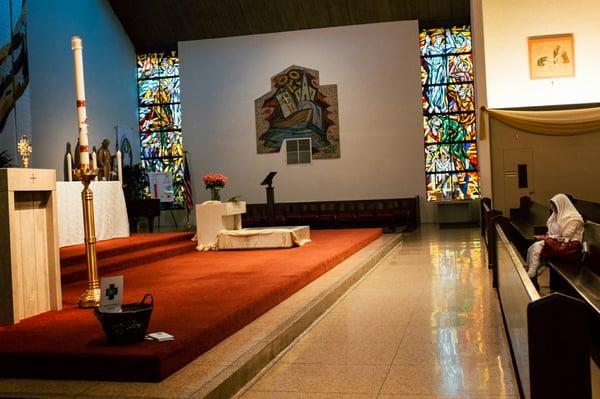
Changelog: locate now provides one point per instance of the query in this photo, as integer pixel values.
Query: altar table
(214, 216)
(110, 212)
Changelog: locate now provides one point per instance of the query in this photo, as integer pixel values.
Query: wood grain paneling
(29, 259)
(160, 24)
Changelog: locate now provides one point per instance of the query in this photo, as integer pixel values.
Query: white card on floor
(111, 294)
(160, 336)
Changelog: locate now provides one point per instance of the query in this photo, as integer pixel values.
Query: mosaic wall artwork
(298, 106)
(159, 111)
(451, 167)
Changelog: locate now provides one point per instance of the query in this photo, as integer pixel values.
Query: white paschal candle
(94, 163)
(69, 167)
(76, 46)
(119, 166)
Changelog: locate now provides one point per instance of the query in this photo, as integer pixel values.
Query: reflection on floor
(425, 323)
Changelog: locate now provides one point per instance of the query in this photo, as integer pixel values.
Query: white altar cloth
(261, 237)
(110, 213)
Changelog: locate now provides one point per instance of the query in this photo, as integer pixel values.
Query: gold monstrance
(90, 297)
(24, 149)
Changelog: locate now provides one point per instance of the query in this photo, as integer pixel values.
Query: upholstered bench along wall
(390, 213)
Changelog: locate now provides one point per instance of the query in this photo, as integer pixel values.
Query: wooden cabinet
(29, 256)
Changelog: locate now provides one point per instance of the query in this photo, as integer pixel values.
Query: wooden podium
(29, 257)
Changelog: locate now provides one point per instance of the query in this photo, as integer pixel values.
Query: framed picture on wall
(551, 56)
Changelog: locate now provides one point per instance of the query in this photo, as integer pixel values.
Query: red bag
(565, 251)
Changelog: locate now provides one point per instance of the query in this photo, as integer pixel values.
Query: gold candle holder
(90, 297)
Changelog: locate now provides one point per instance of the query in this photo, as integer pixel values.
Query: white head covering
(565, 212)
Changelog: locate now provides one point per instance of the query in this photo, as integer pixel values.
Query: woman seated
(564, 224)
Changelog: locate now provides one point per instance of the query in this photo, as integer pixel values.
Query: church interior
(299, 199)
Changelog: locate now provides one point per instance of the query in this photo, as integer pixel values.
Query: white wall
(376, 69)
(507, 25)
(109, 64)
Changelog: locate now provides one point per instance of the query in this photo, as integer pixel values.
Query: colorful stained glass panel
(466, 121)
(173, 144)
(436, 70)
(452, 186)
(440, 128)
(455, 157)
(160, 117)
(460, 98)
(458, 39)
(433, 42)
(153, 65)
(169, 91)
(159, 91)
(147, 91)
(151, 145)
(435, 99)
(460, 68)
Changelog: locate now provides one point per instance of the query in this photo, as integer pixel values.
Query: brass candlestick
(90, 297)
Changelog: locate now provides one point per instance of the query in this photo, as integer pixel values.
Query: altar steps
(122, 253)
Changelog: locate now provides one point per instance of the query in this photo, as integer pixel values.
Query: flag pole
(187, 191)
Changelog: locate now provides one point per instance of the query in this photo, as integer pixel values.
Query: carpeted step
(204, 299)
(105, 249)
(106, 265)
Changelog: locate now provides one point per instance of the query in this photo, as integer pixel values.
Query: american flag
(187, 186)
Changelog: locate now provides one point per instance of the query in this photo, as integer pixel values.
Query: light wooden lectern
(29, 257)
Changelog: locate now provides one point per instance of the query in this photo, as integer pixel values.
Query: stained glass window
(159, 111)
(451, 163)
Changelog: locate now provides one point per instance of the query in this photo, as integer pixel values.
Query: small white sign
(161, 186)
(111, 294)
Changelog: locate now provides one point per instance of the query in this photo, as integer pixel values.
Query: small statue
(105, 161)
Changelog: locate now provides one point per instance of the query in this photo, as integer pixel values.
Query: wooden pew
(527, 221)
(487, 228)
(582, 280)
(530, 219)
(589, 210)
(548, 336)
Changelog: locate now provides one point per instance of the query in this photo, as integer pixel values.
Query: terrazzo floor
(425, 323)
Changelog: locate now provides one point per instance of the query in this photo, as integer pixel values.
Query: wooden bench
(589, 210)
(390, 213)
(582, 280)
(527, 221)
(530, 219)
(487, 214)
(549, 336)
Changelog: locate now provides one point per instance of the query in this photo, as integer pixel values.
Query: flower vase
(214, 194)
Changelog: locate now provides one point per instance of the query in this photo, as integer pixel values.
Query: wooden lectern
(29, 257)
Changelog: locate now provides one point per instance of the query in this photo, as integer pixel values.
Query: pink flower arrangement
(215, 180)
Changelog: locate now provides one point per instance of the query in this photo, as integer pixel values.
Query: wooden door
(518, 176)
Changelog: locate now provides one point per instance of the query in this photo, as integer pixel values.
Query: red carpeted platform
(200, 297)
(121, 253)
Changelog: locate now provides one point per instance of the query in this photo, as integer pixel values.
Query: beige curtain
(569, 122)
